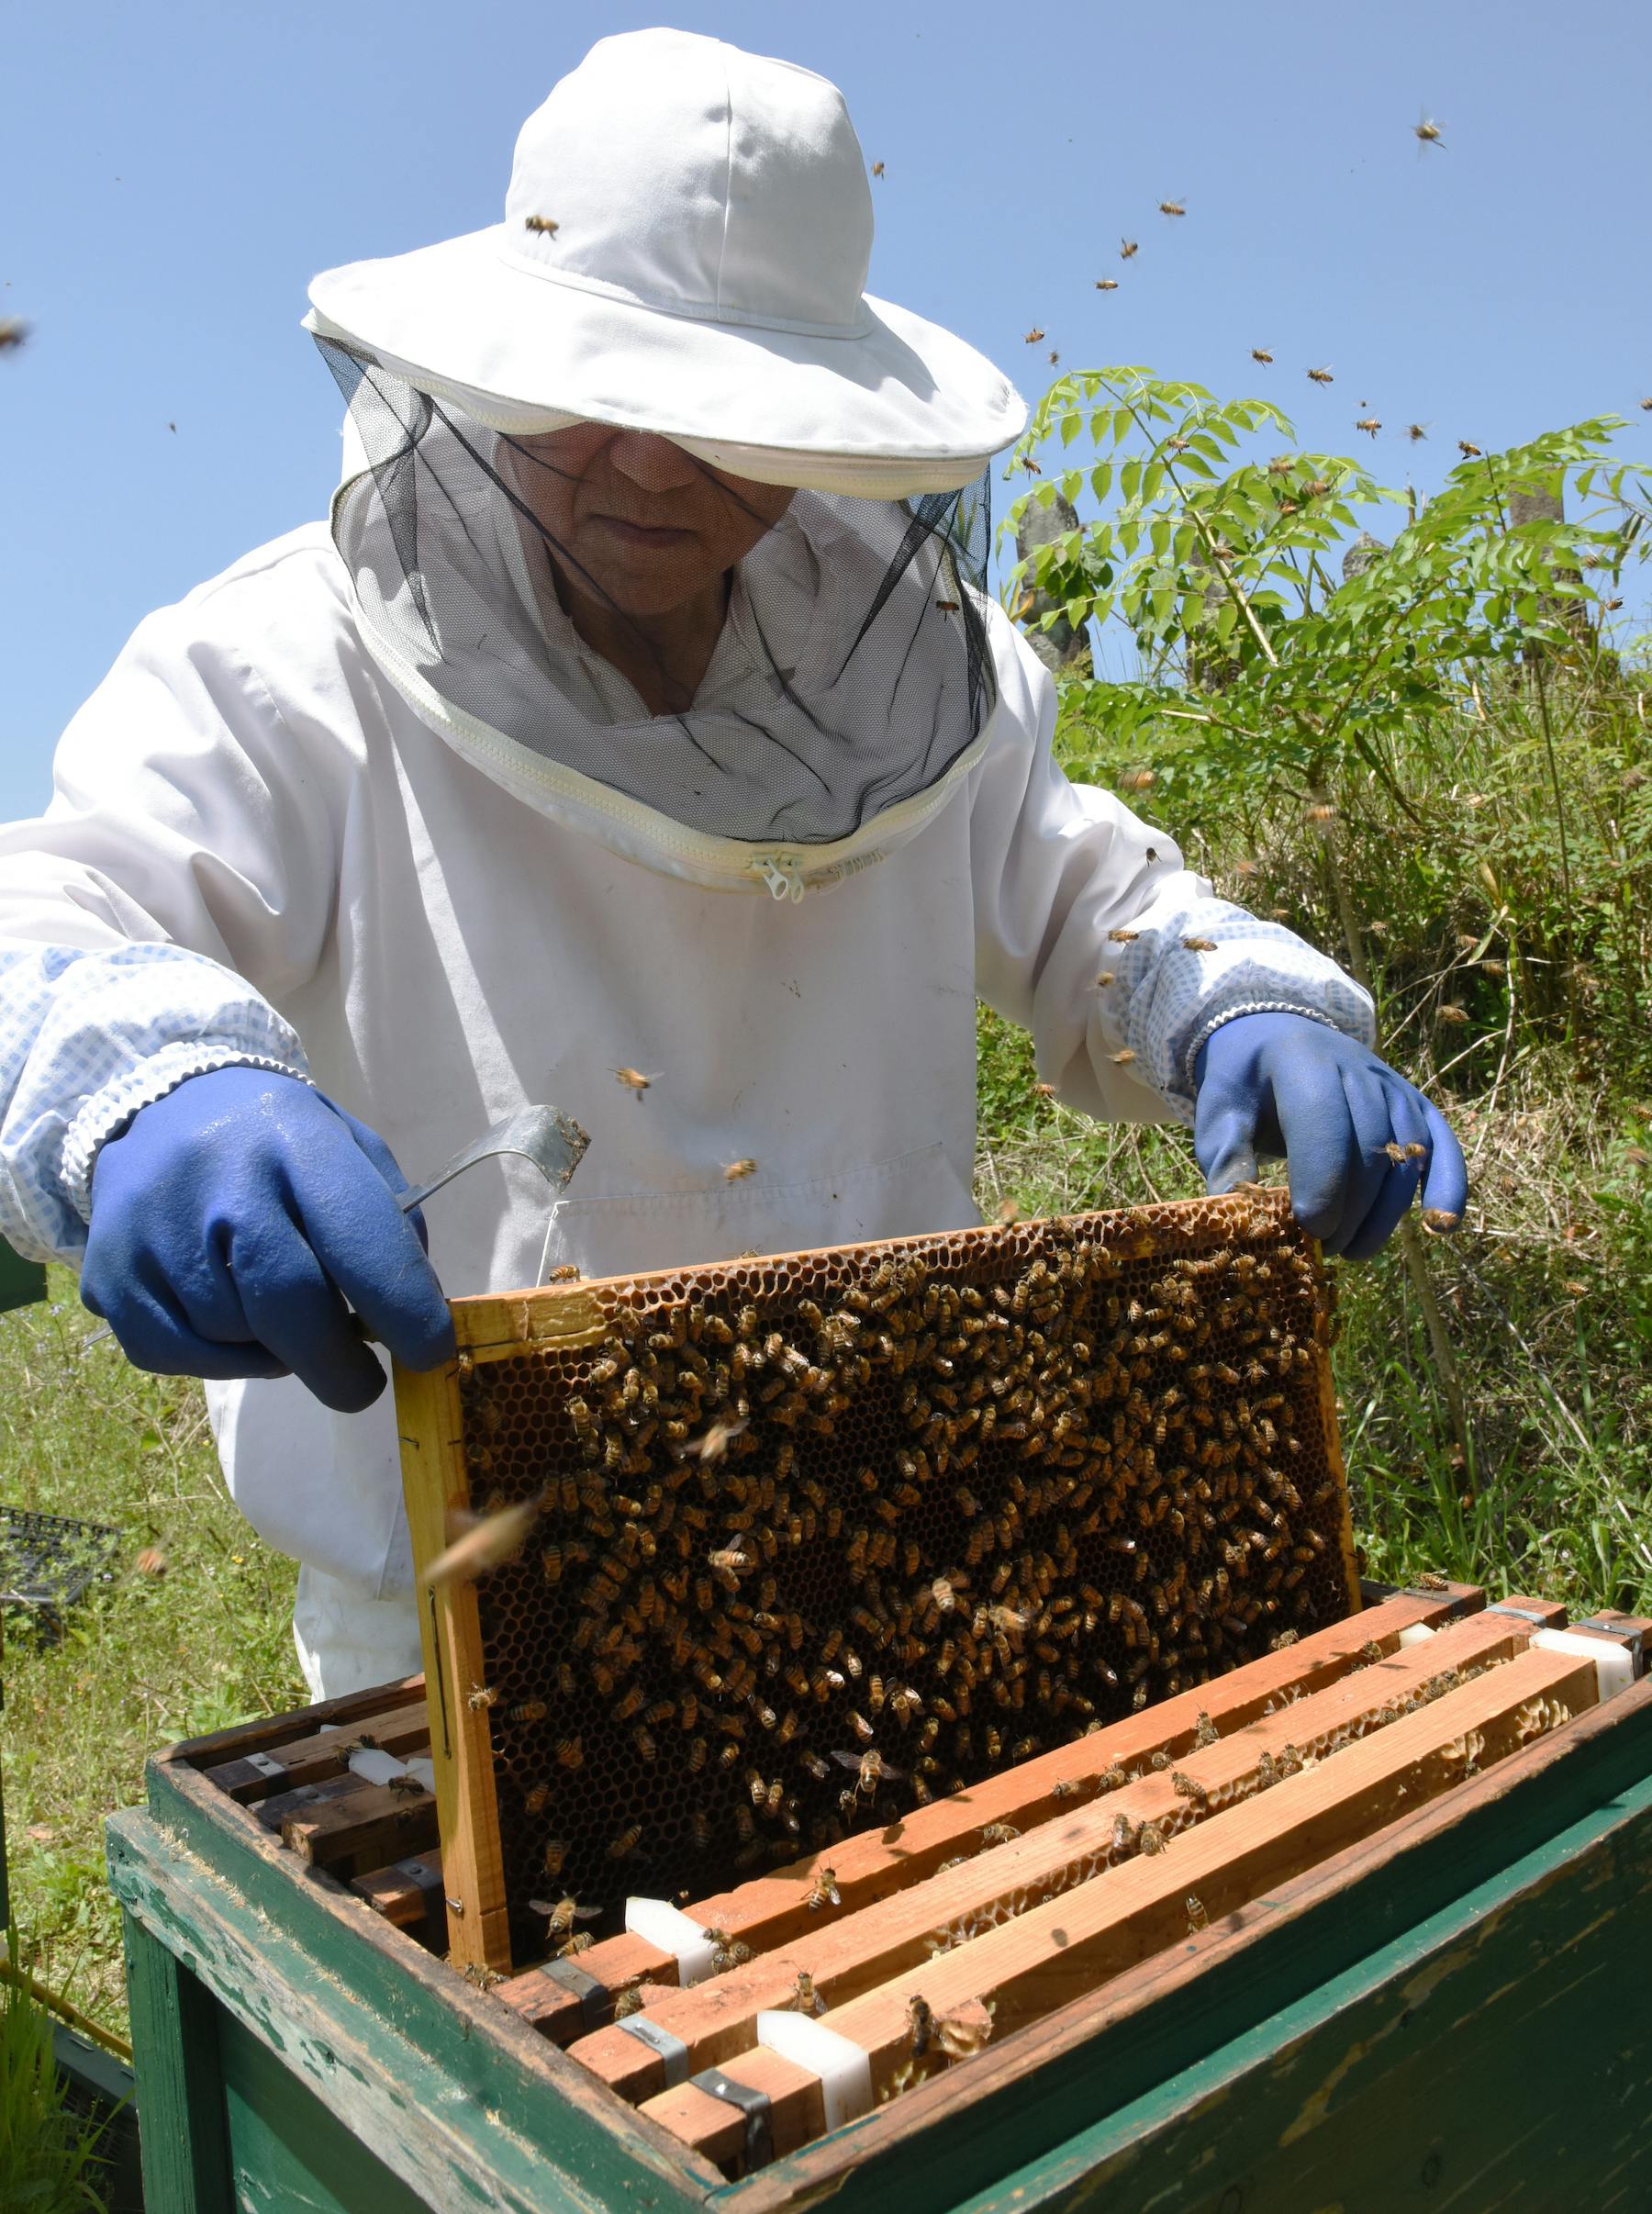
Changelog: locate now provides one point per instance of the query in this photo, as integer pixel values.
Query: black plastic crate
(49, 1561)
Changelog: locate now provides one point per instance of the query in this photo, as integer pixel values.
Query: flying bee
(635, 1081)
(1030, 465)
(1261, 353)
(921, 2021)
(737, 1169)
(542, 224)
(823, 1891)
(482, 1695)
(1426, 132)
(712, 1444)
(877, 169)
(1127, 248)
(871, 1769)
(563, 1915)
(1035, 335)
(1468, 451)
(806, 1999)
(1415, 431)
(947, 607)
(407, 1787)
(733, 1561)
(1054, 357)
(1045, 1091)
(1198, 945)
(1369, 424)
(1123, 937)
(1111, 285)
(1172, 207)
(1321, 377)
(476, 1543)
(1122, 1058)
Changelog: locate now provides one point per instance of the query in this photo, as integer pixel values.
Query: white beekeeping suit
(368, 810)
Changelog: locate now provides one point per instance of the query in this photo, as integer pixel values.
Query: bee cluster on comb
(822, 1536)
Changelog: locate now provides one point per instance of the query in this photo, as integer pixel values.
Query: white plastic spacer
(1614, 1664)
(658, 1922)
(374, 1766)
(846, 2071)
(1414, 1632)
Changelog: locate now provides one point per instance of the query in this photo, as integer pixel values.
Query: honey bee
(947, 607)
(1426, 132)
(542, 224)
(628, 2002)
(1064, 1787)
(1111, 285)
(877, 169)
(1205, 1731)
(1054, 357)
(1468, 451)
(1150, 1839)
(921, 2021)
(635, 1081)
(1321, 377)
(806, 1999)
(998, 1833)
(1449, 1011)
(1104, 980)
(1127, 248)
(1189, 1787)
(1172, 207)
(1198, 945)
(570, 1753)
(1123, 937)
(625, 1844)
(556, 1852)
(823, 1891)
(870, 1770)
(736, 1169)
(713, 1443)
(1369, 424)
(1030, 465)
(480, 1695)
(1198, 1918)
(1316, 488)
(563, 1915)
(479, 1542)
(1415, 431)
(1261, 353)
(1035, 335)
(1123, 1057)
(1045, 1091)
(12, 331)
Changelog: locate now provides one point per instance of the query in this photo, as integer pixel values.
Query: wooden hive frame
(1263, 1289)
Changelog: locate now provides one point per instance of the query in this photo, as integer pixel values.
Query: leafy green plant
(49, 2159)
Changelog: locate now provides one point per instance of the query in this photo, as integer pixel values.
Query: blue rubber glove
(232, 1221)
(1285, 1084)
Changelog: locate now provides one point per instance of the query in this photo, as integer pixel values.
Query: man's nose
(652, 463)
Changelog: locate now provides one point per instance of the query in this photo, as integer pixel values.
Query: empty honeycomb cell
(826, 1536)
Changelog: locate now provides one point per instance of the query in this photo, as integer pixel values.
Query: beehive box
(818, 1539)
(1385, 1952)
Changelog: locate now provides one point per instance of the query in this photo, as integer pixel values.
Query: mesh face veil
(850, 682)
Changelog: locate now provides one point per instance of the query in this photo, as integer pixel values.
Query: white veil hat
(684, 251)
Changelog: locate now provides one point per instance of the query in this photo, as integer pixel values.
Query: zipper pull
(780, 872)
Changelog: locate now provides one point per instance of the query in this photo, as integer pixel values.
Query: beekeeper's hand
(231, 1222)
(1358, 1141)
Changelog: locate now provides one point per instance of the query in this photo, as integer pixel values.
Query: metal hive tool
(964, 1498)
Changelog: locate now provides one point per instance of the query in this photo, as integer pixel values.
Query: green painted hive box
(1379, 1935)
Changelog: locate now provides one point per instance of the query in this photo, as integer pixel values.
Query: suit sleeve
(180, 881)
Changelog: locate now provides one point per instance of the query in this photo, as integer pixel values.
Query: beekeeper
(640, 708)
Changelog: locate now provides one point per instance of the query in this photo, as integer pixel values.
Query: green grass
(49, 2161)
(198, 1640)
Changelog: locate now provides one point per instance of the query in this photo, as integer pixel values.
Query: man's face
(639, 524)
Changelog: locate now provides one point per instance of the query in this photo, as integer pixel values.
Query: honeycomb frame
(779, 1531)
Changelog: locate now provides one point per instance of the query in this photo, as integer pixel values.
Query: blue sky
(172, 176)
